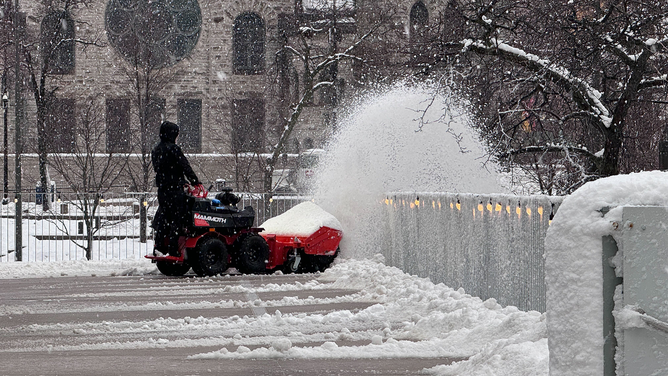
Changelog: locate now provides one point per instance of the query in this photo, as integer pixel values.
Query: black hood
(169, 131)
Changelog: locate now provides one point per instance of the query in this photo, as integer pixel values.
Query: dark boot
(173, 248)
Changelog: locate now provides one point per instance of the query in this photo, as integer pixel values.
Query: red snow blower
(219, 236)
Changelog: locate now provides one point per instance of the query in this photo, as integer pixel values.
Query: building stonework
(206, 78)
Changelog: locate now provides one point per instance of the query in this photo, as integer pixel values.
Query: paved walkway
(138, 326)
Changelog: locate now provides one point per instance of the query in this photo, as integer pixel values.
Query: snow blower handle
(197, 191)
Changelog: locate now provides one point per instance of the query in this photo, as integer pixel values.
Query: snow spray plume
(407, 138)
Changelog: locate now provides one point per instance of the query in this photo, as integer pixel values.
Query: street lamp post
(5, 104)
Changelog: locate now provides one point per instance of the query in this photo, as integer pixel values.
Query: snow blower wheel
(252, 254)
(209, 257)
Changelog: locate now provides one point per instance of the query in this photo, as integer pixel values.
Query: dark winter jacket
(170, 165)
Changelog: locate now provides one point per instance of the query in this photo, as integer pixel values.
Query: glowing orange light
(387, 202)
(459, 206)
(518, 210)
(540, 212)
(417, 202)
(508, 208)
(433, 204)
(480, 207)
(498, 207)
(412, 205)
(529, 211)
(452, 205)
(489, 208)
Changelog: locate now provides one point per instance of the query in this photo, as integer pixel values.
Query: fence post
(610, 282)
(142, 218)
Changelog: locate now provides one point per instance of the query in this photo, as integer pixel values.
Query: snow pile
(414, 319)
(76, 268)
(574, 268)
(302, 220)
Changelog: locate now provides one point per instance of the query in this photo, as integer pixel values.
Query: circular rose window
(156, 33)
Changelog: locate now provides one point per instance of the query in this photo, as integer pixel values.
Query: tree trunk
(42, 153)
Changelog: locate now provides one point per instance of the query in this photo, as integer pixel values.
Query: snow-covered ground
(417, 319)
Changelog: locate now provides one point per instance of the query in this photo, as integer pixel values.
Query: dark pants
(170, 220)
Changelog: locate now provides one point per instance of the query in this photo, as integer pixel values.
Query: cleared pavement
(150, 325)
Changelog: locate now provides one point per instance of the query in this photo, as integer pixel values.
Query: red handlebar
(197, 191)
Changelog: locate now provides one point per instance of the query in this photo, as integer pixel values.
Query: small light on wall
(417, 202)
(459, 206)
(508, 209)
(498, 207)
(271, 200)
(529, 211)
(145, 203)
(101, 200)
(387, 202)
(480, 207)
(489, 207)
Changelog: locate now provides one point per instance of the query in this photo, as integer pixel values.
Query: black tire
(209, 257)
(252, 254)
(172, 269)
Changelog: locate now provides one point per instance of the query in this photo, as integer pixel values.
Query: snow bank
(302, 220)
(574, 268)
(414, 319)
(76, 268)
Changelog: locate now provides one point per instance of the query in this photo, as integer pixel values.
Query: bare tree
(89, 171)
(317, 64)
(47, 56)
(560, 86)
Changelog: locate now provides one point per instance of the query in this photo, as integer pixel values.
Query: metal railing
(491, 245)
(61, 232)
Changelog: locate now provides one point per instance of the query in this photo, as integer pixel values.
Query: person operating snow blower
(172, 174)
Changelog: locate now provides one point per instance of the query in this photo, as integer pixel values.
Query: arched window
(419, 24)
(248, 44)
(57, 39)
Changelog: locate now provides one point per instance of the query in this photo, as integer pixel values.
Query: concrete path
(70, 326)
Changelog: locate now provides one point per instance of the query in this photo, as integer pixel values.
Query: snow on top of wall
(574, 266)
(302, 220)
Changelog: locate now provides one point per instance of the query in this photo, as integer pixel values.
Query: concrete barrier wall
(492, 246)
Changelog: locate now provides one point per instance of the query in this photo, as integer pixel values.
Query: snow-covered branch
(588, 97)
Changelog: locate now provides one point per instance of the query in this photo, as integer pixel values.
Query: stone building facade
(220, 76)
